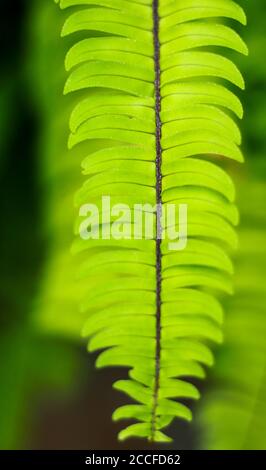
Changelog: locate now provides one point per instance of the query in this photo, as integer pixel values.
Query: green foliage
(55, 311)
(33, 362)
(233, 412)
(234, 409)
(112, 71)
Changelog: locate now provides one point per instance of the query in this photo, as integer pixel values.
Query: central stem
(159, 209)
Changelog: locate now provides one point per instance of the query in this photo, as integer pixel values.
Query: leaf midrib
(157, 83)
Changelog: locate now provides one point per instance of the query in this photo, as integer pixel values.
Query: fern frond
(155, 118)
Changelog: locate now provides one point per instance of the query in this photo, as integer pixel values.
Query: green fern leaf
(155, 118)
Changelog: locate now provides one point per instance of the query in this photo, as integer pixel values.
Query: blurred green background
(50, 395)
